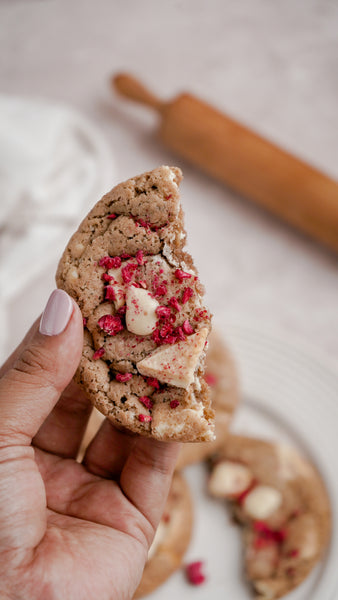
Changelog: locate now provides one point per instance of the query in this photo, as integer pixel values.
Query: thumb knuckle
(32, 363)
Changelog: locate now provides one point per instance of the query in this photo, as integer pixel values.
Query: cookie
(221, 376)
(171, 539)
(146, 327)
(281, 502)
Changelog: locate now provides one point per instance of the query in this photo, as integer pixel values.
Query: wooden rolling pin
(246, 162)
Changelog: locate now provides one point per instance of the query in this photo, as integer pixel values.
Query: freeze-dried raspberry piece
(123, 377)
(112, 216)
(210, 379)
(84, 321)
(99, 353)
(161, 290)
(128, 272)
(174, 303)
(187, 294)
(106, 277)
(109, 324)
(147, 402)
(140, 257)
(194, 573)
(163, 312)
(180, 275)
(145, 418)
(187, 328)
(180, 334)
(174, 403)
(153, 382)
(110, 262)
(109, 293)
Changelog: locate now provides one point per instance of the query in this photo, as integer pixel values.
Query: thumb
(45, 366)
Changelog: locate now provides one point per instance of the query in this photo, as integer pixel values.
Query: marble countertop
(273, 66)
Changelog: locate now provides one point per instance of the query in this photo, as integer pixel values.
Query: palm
(87, 526)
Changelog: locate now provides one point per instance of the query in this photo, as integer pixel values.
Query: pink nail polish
(57, 313)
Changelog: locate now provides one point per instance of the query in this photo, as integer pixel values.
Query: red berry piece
(109, 324)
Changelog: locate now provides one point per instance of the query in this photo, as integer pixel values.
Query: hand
(70, 531)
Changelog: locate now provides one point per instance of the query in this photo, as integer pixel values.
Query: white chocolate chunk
(262, 502)
(141, 315)
(229, 479)
(175, 364)
(118, 286)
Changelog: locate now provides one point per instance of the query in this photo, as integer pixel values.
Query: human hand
(70, 531)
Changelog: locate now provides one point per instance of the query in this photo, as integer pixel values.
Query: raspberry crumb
(174, 404)
(168, 197)
(187, 294)
(174, 303)
(180, 334)
(161, 290)
(187, 327)
(147, 402)
(109, 324)
(140, 257)
(110, 262)
(194, 573)
(84, 321)
(127, 272)
(145, 418)
(293, 553)
(98, 354)
(112, 216)
(210, 379)
(123, 377)
(153, 382)
(180, 275)
(163, 312)
(106, 277)
(109, 293)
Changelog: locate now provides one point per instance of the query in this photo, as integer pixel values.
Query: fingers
(31, 387)
(63, 430)
(146, 476)
(108, 451)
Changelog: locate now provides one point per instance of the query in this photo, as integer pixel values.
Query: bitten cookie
(280, 500)
(146, 327)
(171, 539)
(221, 376)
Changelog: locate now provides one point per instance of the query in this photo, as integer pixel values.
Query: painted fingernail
(57, 313)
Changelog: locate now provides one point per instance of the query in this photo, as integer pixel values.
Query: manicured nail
(57, 313)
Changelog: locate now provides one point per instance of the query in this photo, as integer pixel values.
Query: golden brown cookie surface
(145, 324)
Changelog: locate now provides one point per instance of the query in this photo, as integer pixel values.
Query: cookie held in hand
(281, 501)
(146, 327)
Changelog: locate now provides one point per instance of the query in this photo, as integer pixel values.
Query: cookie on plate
(281, 501)
(221, 376)
(146, 327)
(171, 539)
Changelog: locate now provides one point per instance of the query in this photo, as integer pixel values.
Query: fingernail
(57, 313)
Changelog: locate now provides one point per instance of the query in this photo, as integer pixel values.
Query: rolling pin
(245, 161)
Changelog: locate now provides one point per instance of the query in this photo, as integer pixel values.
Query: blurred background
(271, 65)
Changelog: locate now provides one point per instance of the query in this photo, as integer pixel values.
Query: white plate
(288, 394)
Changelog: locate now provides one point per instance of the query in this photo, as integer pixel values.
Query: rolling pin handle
(133, 89)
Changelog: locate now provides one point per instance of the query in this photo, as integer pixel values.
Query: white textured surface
(273, 65)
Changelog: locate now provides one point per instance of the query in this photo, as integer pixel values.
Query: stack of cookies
(151, 365)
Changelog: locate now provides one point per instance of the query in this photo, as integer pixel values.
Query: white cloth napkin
(54, 165)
